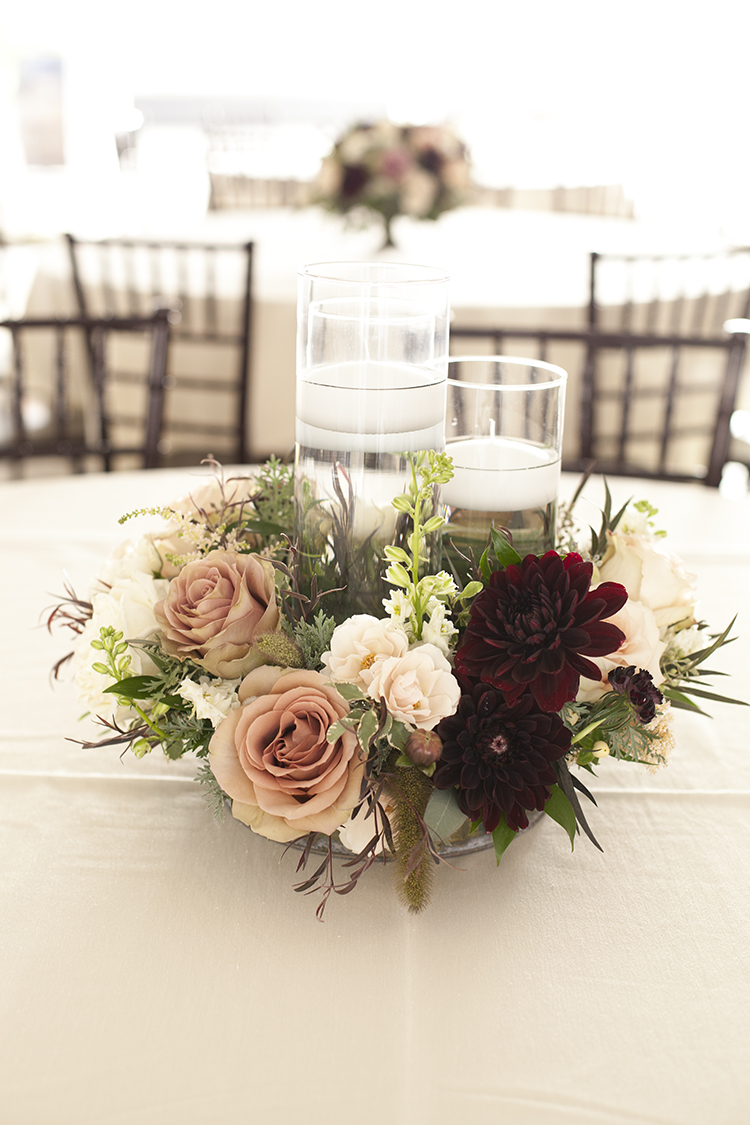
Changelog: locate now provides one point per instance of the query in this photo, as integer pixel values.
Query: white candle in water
(501, 475)
(371, 408)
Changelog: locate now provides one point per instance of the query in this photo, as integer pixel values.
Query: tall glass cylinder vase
(372, 361)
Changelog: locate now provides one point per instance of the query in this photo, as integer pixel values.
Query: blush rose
(272, 756)
(214, 608)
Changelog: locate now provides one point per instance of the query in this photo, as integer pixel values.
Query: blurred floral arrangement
(444, 722)
(390, 170)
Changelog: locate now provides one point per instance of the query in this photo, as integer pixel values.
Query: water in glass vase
(355, 426)
(500, 482)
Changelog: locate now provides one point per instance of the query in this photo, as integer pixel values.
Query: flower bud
(278, 649)
(424, 747)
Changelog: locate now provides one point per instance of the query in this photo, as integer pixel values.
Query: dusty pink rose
(214, 608)
(272, 756)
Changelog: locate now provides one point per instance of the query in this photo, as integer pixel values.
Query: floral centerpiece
(450, 719)
(390, 170)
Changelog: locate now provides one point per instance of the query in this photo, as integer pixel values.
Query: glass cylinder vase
(504, 426)
(372, 363)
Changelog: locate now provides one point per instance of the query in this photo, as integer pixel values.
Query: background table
(159, 970)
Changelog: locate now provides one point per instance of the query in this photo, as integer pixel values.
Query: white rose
(642, 648)
(418, 688)
(651, 576)
(358, 644)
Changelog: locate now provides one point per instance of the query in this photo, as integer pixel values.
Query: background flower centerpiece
(390, 170)
(452, 715)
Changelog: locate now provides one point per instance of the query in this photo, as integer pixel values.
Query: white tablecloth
(157, 968)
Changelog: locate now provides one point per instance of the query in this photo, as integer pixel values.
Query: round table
(159, 970)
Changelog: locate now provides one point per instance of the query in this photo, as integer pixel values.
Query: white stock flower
(123, 597)
(400, 609)
(651, 576)
(438, 629)
(359, 644)
(418, 688)
(641, 648)
(211, 699)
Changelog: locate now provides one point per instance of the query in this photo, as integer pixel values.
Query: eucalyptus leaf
(443, 816)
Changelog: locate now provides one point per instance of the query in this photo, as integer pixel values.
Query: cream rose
(651, 576)
(418, 688)
(214, 608)
(272, 757)
(641, 648)
(358, 644)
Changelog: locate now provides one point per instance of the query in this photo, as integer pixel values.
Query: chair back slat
(60, 399)
(638, 404)
(209, 288)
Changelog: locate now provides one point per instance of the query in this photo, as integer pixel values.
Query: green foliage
(213, 794)
(502, 836)
(314, 638)
(114, 649)
(442, 816)
(274, 502)
(560, 809)
(682, 672)
(610, 719)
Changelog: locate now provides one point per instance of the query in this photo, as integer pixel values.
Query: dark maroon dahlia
(534, 626)
(499, 756)
(354, 178)
(639, 687)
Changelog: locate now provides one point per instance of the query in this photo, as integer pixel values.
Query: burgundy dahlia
(534, 626)
(639, 687)
(499, 756)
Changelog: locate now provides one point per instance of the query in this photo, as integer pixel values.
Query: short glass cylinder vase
(504, 425)
(372, 363)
